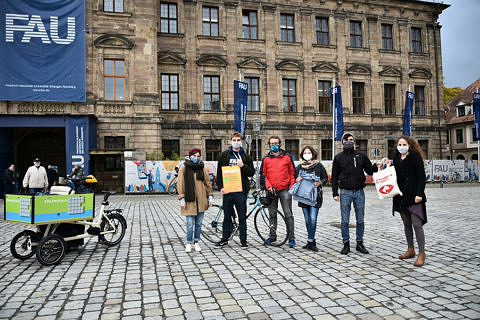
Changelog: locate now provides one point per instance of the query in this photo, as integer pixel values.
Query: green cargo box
(28, 209)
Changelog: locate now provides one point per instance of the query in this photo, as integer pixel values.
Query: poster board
(232, 179)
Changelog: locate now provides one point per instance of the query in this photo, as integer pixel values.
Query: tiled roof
(465, 97)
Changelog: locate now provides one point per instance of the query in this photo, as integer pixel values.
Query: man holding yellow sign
(233, 169)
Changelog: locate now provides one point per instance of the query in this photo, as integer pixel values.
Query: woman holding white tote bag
(409, 166)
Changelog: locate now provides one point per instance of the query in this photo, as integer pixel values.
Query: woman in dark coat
(310, 164)
(409, 166)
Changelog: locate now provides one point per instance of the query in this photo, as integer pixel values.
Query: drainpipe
(437, 81)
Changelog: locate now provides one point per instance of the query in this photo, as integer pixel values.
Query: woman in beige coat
(195, 195)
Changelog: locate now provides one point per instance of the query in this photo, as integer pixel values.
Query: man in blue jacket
(348, 174)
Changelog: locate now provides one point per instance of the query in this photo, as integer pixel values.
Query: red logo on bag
(386, 189)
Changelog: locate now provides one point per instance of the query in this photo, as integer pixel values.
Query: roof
(465, 97)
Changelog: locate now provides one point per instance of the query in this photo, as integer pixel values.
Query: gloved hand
(182, 202)
(210, 201)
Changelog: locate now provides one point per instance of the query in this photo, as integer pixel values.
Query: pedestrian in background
(36, 178)
(277, 174)
(309, 164)
(348, 174)
(408, 162)
(52, 176)
(195, 195)
(235, 155)
(10, 180)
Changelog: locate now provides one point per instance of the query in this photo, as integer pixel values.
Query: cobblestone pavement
(150, 276)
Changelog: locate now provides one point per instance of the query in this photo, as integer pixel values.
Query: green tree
(450, 93)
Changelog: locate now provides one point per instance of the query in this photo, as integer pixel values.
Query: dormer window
(461, 111)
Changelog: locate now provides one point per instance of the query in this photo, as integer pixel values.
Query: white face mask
(307, 156)
(402, 149)
(236, 144)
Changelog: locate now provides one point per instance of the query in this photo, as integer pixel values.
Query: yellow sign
(232, 179)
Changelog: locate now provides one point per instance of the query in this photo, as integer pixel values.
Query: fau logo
(36, 29)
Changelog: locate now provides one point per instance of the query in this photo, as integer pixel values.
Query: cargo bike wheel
(116, 223)
(51, 250)
(21, 245)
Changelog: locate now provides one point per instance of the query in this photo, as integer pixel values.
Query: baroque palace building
(160, 74)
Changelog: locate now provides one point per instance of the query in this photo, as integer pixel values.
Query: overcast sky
(461, 42)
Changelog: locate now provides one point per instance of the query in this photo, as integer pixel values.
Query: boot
(313, 246)
(410, 253)
(360, 247)
(420, 260)
(307, 246)
(346, 248)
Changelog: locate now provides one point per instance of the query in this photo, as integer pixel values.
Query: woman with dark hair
(195, 195)
(312, 168)
(409, 166)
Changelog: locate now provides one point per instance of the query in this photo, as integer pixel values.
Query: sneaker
(188, 248)
(270, 240)
(244, 244)
(291, 243)
(361, 248)
(196, 246)
(346, 248)
(221, 243)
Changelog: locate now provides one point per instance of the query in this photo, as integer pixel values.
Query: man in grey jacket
(36, 178)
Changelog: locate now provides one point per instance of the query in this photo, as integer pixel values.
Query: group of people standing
(280, 176)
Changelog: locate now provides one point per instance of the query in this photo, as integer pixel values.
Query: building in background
(461, 135)
(159, 76)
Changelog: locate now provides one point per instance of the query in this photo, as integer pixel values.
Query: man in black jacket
(347, 172)
(235, 155)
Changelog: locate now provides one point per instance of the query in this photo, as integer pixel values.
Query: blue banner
(77, 140)
(240, 98)
(407, 116)
(476, 112)
(338, 109)
(43, 52)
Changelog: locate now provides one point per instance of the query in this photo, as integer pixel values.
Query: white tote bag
(386, 183)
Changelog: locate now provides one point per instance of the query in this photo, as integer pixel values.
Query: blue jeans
(310, 214)
(197, 221)
(35, 190)
(358, 199)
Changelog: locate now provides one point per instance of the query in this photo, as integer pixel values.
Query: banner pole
(478, 150)
(334, 109)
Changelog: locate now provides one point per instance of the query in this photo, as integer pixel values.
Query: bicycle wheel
(21, 245)
(51, 250)
(271, 224)
(117, 222)
(212, 228)
(172, 189)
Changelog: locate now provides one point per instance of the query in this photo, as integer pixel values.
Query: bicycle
(50, 247)
(269, 222)
(172, 187)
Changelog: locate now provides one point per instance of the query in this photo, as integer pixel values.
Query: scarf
(190, 169)
(308, 164)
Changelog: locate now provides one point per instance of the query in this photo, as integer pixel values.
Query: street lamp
(257, 125)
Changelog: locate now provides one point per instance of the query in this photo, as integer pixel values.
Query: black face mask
(348, 145)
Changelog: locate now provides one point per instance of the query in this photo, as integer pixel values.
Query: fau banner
(407, 117)
(338, 109)
(42, 49)
(240, 98)
(476, 113)
(77, 138)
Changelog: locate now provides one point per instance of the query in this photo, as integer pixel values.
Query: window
(114, 79)
(474, 134)
(115, 143)
(389, 94)
(249, 24)
(424, 146)
(448, 137)
(460, 111)
(171, 149)
(211, 92)
(358, 97)
(327, 149)
(459, 134)
(387, 38)
(213, 149)
(356, 34)
(291, 146)
(253, 149)
(289, 95)
(170, 91)
(361, 145)
(168, 17)
(113, 5)
(324, 96)
(287, 27)
(416, 40)
(392, 148)
(322, 30)
(420, 100)
(113, 163)
(210, 21)
(253, 94)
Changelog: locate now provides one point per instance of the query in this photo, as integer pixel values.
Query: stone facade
(134, 36)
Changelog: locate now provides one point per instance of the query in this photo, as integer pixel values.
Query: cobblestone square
(149, 275)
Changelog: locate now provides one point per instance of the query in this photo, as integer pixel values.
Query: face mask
(275, 148)
(37, 165)
(195, 159)
(402, 149)
(307, 156)
(236, 144)
(348, 145)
